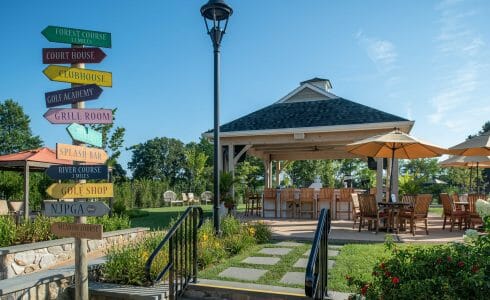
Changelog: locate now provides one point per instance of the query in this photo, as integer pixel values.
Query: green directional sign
(84, 134)
(77, 36)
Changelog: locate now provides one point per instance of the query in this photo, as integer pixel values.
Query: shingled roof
(329, 112)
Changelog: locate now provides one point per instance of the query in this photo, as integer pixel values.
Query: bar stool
(287, 199)
(324, 196)
(345, 197)
(306, 196)
(269, 201)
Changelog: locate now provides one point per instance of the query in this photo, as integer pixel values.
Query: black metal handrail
(182, 252)
(316, 278)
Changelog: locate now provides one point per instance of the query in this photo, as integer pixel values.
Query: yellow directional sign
(80, 153)
(77, 75)
(80, 190)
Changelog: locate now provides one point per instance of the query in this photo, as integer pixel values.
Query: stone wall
(28, 258)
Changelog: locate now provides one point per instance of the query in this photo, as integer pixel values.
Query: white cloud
(381, 52)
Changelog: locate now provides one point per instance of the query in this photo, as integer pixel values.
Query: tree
(160, 158)
(196, 168)
(15, 133)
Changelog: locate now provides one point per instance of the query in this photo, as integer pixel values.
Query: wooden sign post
(78, 231)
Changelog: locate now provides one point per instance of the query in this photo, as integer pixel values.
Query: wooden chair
(455, 198)
(344, 199)
(269, 197)
(307, 196)
(409, 199)
(324, 196)
(369, 211)
(373, 191)
(287, 200)
(206, 197)
(451, 212)
(420, 211)
(473, 216)
(171, 198)
(185, 200)
(356, 210)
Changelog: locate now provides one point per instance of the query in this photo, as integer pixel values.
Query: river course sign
(79, 115)
(82, 231)
(80, 190)
(85, 135)
(72, 95)
(77, 36)
(77, 172)
(80, 153)
(78, 75)
(75, 209)
(72, 55)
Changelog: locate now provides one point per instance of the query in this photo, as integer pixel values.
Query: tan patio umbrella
(395, 144)
(468, 161)
(479, 145)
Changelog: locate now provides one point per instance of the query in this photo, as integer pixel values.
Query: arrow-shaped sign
(81, 231)
(77, 36)
(73, 95)
(80, 153)
(72, 55)
(79, 115)
(76, 172)
(80, 190)
(78, 75)
(75, 209)
(85, 135)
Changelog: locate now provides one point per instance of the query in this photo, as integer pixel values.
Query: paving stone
(275, 251)
(289, 244)
(307, 253)
(243, 273)
(332, 253)
(335, 247)
(331, 264)
(261, 260)
(301, 263)
(293, 278)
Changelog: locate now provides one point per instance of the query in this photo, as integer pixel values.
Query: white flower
(483, 208)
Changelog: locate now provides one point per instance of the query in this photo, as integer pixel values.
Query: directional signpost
(76, 230)
(77, 36)
(85, 135)
(72, 55)
(78, 75)
(80, 153)
(72, 95)
(75, 209)
(80, 190)
(76, 172)
(80, 116)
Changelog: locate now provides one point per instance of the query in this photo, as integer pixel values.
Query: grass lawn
(159, 218)
(276, 272)
(436, 210)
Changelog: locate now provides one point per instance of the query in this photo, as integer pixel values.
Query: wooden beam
(313, 155)
(237, 157)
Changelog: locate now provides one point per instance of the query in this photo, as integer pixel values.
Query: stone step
(111, 291)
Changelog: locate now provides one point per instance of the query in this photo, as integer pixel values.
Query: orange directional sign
(80, 190)
(80, 153)
(78, 75)
(82, 231)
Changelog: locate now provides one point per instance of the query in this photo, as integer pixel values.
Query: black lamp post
(216, 14)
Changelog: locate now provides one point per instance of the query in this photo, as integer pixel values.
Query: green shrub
(7, 231)
(35, 231)
(261, 232)
(115, 222)
(211, 249)
(136, 213)
(449, 271)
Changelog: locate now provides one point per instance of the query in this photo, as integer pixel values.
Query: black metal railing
(181, 243)
(316, 278)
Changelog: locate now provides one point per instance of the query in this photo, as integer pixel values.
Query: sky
(427, 61)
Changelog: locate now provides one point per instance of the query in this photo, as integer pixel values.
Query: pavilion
(308, 123)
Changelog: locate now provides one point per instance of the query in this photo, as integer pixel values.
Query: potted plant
(226, 182)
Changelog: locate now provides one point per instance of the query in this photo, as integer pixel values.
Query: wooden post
(379, 179)
(396, 172)
(278, 172)
(26, 191)
(81, 265)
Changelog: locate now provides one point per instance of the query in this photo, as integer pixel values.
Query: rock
(17, 269)
(67, 247)
(29, 269)
(25, 258)
(47, 260)
(55, 250)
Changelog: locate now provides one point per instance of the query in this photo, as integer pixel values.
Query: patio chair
(473, 217)
(324, 196)
(450, 211)
(192, 199)
(170, 198)
(269, 202)
(185, 200)
(307, 196)
(370, 212)
(286, 200)
(373, 191)
(206, 197)
(420, 211)
(409, 199)
(344, 199)
(455, 198)
(356, 211)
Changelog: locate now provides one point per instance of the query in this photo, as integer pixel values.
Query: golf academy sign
(72, 95)
(77, 172)
(75, 209)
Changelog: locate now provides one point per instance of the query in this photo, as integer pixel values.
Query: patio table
(393, 209)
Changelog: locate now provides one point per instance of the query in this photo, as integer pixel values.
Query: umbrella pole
(471, 175)
(477, 181)
(391, 174)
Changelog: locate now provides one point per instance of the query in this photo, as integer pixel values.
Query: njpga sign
(75, 209)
